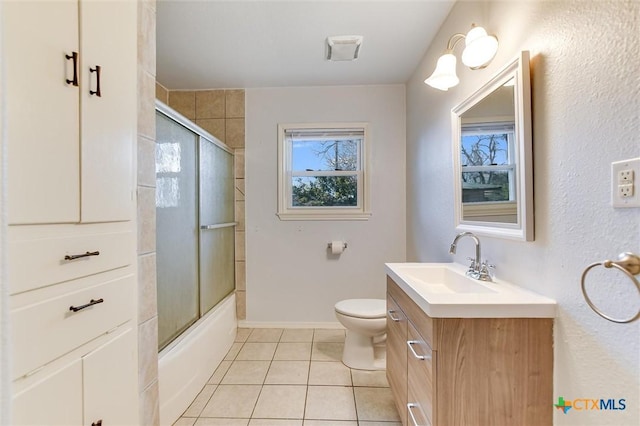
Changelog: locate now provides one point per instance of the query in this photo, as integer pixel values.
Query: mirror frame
(523, 229)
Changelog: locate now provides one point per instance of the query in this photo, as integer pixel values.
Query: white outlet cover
(617, 197)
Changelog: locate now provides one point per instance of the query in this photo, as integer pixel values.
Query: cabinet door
(110, 383)
(421, 380)
(397, 355)
(42, 111)
(108, 118)
(55, 400)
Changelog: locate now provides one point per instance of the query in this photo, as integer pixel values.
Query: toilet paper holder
(330, 245)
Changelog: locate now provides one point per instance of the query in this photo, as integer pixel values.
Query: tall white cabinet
(71, 105)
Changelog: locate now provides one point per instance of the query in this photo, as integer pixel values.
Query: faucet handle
(473, 262)
(485, 274)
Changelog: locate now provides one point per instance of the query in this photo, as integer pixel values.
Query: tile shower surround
(291, 377)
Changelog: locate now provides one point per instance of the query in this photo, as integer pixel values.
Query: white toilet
(365, 321)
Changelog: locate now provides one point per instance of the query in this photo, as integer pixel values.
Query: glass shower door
(217, 226)
(177, 228)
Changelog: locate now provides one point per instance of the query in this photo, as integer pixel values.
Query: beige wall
(147, 300)
(586, 102)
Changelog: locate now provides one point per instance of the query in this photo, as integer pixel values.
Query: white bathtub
(187, 363)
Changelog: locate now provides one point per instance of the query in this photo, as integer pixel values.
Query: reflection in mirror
(492, 156)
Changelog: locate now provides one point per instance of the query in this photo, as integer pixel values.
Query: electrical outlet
(624, 178)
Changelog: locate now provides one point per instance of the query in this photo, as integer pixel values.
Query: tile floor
(291, 377)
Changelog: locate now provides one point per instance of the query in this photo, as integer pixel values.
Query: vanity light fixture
(343, 48)
(480, 48)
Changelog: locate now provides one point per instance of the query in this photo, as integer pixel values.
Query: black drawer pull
(91, 303)
(74, 56)
(98, 423)
(97, 70)
(78, 256)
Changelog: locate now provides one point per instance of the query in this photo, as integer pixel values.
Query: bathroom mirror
(492, 156)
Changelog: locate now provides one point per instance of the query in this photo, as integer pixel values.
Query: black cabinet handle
(98, 423)
(97, 70)
(78, 256)
(74, 56)
(81, 307)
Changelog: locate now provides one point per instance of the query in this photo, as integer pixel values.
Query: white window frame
(286, 211)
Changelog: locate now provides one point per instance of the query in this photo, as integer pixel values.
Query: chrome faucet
(478, 269)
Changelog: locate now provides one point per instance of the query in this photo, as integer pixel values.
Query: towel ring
(629, 264)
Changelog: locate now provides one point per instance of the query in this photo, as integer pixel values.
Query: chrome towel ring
(629, 264)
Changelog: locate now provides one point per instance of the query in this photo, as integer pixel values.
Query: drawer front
(397, 355)
(44, 331)
(37, 263)
(421, 380)
(423, 323)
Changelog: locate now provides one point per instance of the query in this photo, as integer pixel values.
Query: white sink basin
(443, 290)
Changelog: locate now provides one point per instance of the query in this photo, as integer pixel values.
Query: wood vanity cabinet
(468, 371)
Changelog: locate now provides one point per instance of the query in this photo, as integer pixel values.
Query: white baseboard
(275, 324)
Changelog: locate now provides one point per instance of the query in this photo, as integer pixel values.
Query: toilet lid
(363, 308)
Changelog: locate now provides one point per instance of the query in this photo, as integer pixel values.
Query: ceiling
(241, 44)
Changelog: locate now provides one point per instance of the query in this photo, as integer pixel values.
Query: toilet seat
(362, 308)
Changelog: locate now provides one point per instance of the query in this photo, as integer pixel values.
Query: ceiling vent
(343, 48)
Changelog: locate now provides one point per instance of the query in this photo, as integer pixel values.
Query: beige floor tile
(293, 351)
(297, 335)
(265, 335)
(257, 352)
(330, 403)
(185, 421)
(233, 351)
(205, 421)
(274, 422)
(327, 351)
(236, 401)
(329, 423)
(329, 373)
(246, 373)
(243, 334)
(281, 402)
(200, 401)
(328, 335)
(376, 379)
(380, 424)
(375, 404)
(288, 373)
(217, 375)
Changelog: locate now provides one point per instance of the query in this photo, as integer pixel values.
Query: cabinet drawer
(421, 379)
(37, 263)
(422, 322)
(397, 355)
(44, 331)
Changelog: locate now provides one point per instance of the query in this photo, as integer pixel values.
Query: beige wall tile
(146, 161)
(240, 247)
(162, 94)
(147, 37)
(148, 352)
(234, 132)
(210, 104)
(240, 215)
(241, 276)
(184, 102)
(149, 406)
(146, 220)
(215, 126)
(239, 189)
(146, 105)
(147, 292)
(241, 305)
(235, 103)
(238, 155)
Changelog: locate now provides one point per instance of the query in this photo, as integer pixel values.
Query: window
(488, 160)
(322, 172)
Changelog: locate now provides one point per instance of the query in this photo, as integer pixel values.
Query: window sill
(324, 216)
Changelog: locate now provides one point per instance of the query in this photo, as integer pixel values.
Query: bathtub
(187, 363)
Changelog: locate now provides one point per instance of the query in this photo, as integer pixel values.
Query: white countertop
(459, 297)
